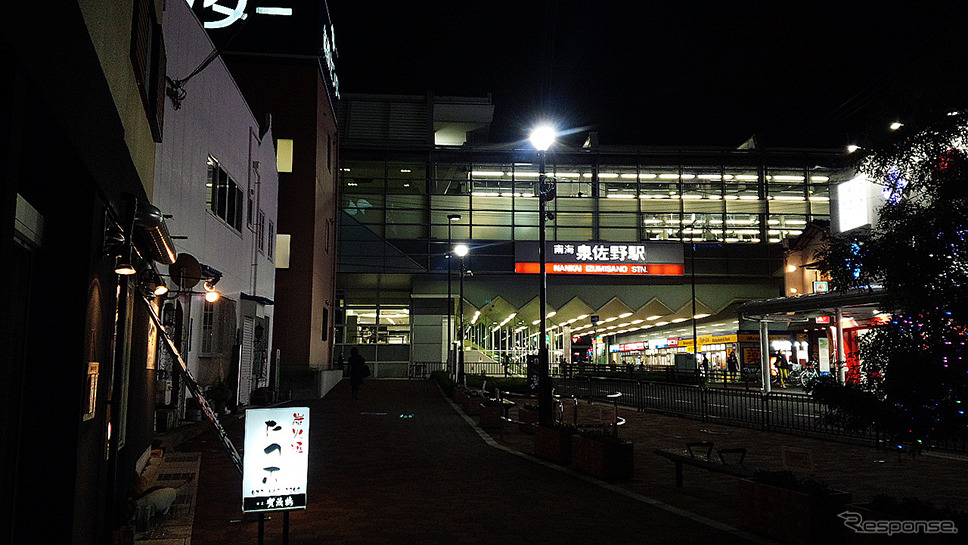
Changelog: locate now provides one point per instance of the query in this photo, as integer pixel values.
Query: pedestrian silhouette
(359, 370)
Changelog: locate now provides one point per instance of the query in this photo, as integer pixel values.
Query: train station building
(647, 248)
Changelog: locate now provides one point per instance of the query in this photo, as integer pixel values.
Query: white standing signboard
(275, 464)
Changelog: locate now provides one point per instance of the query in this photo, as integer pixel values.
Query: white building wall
(214, 120)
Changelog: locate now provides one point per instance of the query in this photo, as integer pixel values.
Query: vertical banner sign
(823, 351)
(275, 464)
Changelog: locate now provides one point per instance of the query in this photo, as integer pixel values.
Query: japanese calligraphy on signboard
(601, 258)
(275, 464)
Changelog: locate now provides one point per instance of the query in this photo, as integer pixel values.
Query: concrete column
(841, 364)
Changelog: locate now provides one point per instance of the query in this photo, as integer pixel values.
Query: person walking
(359, 370)
(782, 368)
(732, 365)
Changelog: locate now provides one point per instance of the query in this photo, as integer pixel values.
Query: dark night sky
(681, 74)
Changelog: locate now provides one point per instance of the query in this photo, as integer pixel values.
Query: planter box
(553, 444)
(790, 516)
(490, 417)
(606, 460)
(472, 405)
(529, 418)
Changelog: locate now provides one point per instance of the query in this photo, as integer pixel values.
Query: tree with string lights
(913, 381)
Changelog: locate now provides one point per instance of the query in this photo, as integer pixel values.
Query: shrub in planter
(554, 442)
(603, 455)
(794, 510)
(863, 516)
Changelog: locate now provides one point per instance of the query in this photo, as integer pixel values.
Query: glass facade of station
(397, 204)
(628, 200)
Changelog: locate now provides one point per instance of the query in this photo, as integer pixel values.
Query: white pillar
(765, 355)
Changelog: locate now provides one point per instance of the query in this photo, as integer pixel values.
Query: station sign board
(609, 258)
(275, 465)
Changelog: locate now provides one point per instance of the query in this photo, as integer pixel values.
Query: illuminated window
(284, 155)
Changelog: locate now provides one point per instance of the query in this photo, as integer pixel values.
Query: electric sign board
(653, 258)
(275, 464)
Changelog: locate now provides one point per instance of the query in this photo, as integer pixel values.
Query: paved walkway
(377, 477)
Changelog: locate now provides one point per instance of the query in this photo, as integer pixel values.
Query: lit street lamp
(542, 138)
(461, 250)
(451, 218)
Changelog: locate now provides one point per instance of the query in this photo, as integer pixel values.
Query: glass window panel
(406, 231)
(526, 218)
(526, 233)
(450, 204)
(742, 228)
(573, 233)
(741, 184)
(358, 205)
(618, 205)
(458, 232)
(614, 234)
(754, 206)
(487, 217)
(785, 226)
(819, 198)
(413, 202)
(618, 220)
(492, 232)
(789, 206)
(695, 204)
(659, 226)
(449, 178)
(492, 203)
(574, 205)
(406, 216)
(527, 203)
(573, 219)
(660, 205)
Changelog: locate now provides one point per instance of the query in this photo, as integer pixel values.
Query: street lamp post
(461, 250)
(451, 218)
(542, 138)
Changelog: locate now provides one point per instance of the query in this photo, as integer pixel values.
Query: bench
(730, 460)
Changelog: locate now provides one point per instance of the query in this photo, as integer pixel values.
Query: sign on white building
(275, 464)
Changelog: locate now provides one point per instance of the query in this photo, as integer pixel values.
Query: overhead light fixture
(852, 148)
(212, 296)
(896, 125)
(123, 266)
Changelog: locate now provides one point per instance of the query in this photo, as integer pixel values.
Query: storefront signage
(822, 319)
(275, 465)
(629, 347)
(659, 258)
(820, 287)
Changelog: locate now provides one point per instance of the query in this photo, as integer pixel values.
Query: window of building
(271, 241)
(208, 328)
(284, 155)
(260, 231)
(388, 324)
(150, 63)
(224, 196)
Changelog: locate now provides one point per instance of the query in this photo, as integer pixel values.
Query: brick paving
(435, 478)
